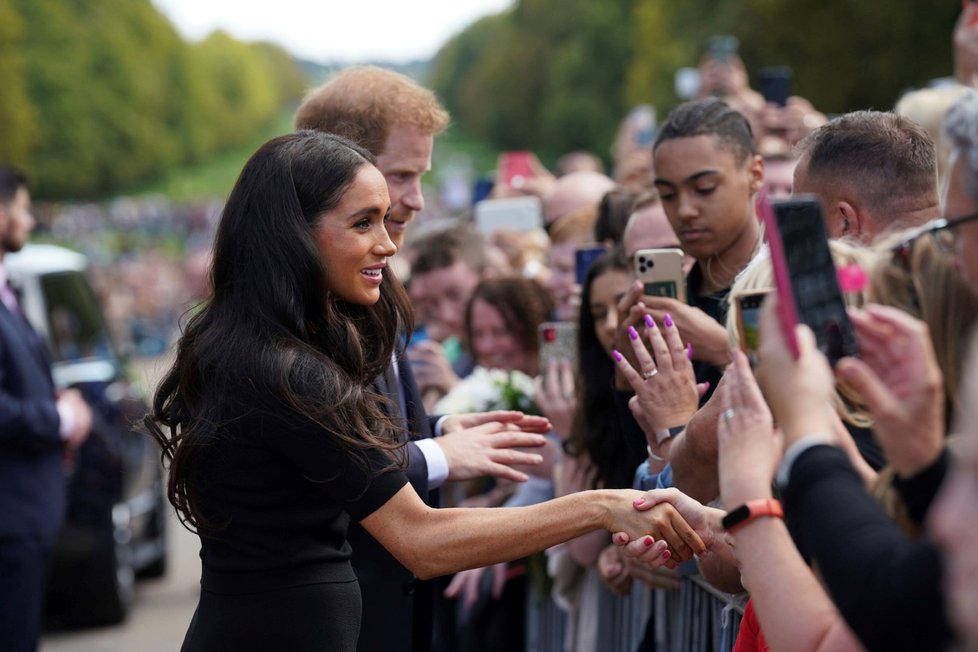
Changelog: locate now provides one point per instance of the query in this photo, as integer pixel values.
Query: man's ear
(852, 223)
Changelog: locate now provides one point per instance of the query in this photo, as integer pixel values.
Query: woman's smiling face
(353, 240)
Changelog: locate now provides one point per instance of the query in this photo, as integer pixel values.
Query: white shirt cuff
(66, 420)
(438, 426)
(793, 452)
(434, 456)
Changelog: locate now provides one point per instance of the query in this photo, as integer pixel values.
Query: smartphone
(516, 168)
(583, 257)
(805, 276)
(509, 213)
(747, 307)
(558, 340)
(775, 84)
(661, 271)
(721, 48)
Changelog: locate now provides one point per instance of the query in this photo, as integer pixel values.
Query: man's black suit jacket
(397, 607)
(32, 481)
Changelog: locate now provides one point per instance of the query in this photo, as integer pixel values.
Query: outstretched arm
(433, 542)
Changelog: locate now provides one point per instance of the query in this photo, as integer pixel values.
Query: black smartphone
(814, 283)
(774, 84)
(583, 257)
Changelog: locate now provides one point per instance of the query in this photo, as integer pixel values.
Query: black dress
(276, 574)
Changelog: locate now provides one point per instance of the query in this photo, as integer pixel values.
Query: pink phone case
(787, 313)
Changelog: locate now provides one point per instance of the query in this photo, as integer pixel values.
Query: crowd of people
(394, 433)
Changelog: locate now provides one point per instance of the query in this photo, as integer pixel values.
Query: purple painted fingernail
(667, 320)
(632, 333)
(616, 355)
(689, 350)
(649, 322)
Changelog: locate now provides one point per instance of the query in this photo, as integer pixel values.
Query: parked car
(115, 528)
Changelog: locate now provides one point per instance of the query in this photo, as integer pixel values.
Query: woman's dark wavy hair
(596, 429)
(272, 328)
(710, 117)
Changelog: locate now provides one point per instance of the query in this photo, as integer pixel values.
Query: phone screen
(814, 283)
(748, 309)
(583, 258)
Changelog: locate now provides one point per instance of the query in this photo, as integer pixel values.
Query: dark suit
(396, 605)
(32, 481)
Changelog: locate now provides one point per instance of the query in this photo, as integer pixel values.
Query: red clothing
(750, 638)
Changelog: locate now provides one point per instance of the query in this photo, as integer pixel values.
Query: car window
(77, 328)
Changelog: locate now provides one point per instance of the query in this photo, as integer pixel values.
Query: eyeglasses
(941, 230)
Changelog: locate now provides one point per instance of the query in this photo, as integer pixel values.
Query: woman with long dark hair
(276, 436)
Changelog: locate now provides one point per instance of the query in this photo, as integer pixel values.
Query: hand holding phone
(661, 272)
(805, 277)
(516, 168)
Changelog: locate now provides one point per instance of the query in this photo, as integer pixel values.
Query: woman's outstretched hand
(705, 522)
(668, 538)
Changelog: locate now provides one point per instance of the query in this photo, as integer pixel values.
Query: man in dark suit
(37, 425)
(397, 120)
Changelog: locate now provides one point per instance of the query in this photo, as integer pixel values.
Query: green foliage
(104, 94)
(557, 75)
(547, 75)
(19, 128)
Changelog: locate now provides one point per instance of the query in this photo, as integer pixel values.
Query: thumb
(702, 388)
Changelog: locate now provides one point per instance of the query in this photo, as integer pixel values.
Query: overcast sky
(334, 30)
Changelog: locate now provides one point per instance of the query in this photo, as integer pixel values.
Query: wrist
(750, 511)
(738, 493)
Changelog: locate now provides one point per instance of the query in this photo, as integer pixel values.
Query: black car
(115, 530)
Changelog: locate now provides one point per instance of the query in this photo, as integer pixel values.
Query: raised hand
(708, 338)
(901, 383)
(750, 449)
(553, 392)
(665, 388)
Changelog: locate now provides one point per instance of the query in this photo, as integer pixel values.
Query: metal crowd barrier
(694, 618)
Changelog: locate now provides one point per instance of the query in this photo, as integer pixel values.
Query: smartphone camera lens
(645, 264)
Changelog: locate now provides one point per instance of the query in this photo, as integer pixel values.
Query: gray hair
(961, 128)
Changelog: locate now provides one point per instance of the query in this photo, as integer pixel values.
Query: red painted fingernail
(632, 333)
(689, 350)
(621, 539)
(616, 355)
(667, 320)
(648, 541)
(649, 322)
(666, 554)
(639, 501)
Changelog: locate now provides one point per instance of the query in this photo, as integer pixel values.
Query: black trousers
(23, 572)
